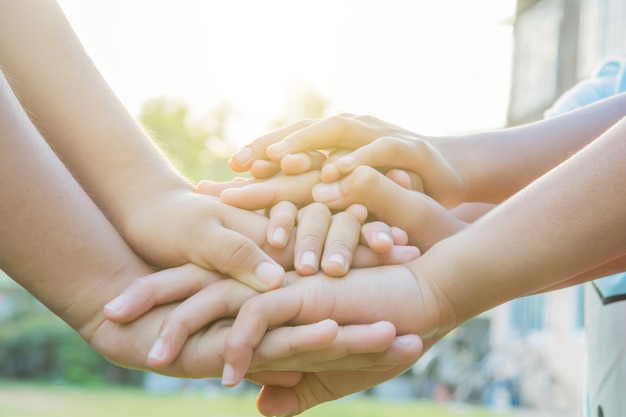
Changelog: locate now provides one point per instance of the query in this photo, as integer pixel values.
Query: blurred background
(206, 77)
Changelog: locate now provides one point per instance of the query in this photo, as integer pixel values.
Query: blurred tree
(199, 148)
(303, 102)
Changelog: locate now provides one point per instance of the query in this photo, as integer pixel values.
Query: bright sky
(432, 66)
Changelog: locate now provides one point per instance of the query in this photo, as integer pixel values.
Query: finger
(215, 189)
(401, 350)
(313, 223)
(378, 236)
(425, 220)
(221, 299)
(359, 211)
(264, 169)
(364, 257)
(341, 241)
(400, 237)
(407, 179)
(255, 316)
(162, 287)
(239, 257)
(242, 160)
(350, 341)
(302, 162)
(263, 194)
(439, 179)
(348, 131)
(281, 222)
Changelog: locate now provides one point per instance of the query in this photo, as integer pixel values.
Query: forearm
(497, 164)
(76, 111)
(566, 223)
(54, 241)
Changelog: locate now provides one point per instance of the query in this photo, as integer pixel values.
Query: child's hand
(425, 221)
(338, 241)
(413, 305)
(422, 218)
(209, 297)
(177, 227)
(438, 162)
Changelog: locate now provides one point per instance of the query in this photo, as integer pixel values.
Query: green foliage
(198, 149)
(35, 344)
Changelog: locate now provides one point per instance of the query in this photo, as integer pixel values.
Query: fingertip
(156, 355)
(326, 192)
(210, 188)
(114, 309)
(277, 401)
(383, 241)
(335, 265)
(411, 343)
(229, 376)
(329, 173)
(345, 164)
(268, 276)
(277, 238)
(276, 150)
(240, 160)
(292, 164)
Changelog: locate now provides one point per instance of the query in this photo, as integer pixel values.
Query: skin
(483, 167)
(47, 246)
(461, 276)
(76, 166)
(83, 121)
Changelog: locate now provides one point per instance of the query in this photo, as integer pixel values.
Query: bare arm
(147, 200)
(568, 223)
(75, 110)
(479, 167)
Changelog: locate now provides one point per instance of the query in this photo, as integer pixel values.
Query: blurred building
(556, 44)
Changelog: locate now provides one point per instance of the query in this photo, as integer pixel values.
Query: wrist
(147, 225)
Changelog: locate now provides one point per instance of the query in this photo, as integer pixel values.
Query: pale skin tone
(483, 167)
(554, 218)
(549, 205)
(70, 102)
(48, 225)
(459, 277)
(76, 166)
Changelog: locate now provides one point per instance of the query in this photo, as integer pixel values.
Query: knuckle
(237, 251)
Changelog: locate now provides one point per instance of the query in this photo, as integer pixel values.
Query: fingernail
(278, 147)
(229, 378)
(408, 339)
(116, 304)
(243, 155)
(269, 273)
(325, 193)
(156, 351)
(279, 236)
(308, 258)
(338, 259)
(384, 237)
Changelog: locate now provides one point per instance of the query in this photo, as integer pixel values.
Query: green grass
(37, 400)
